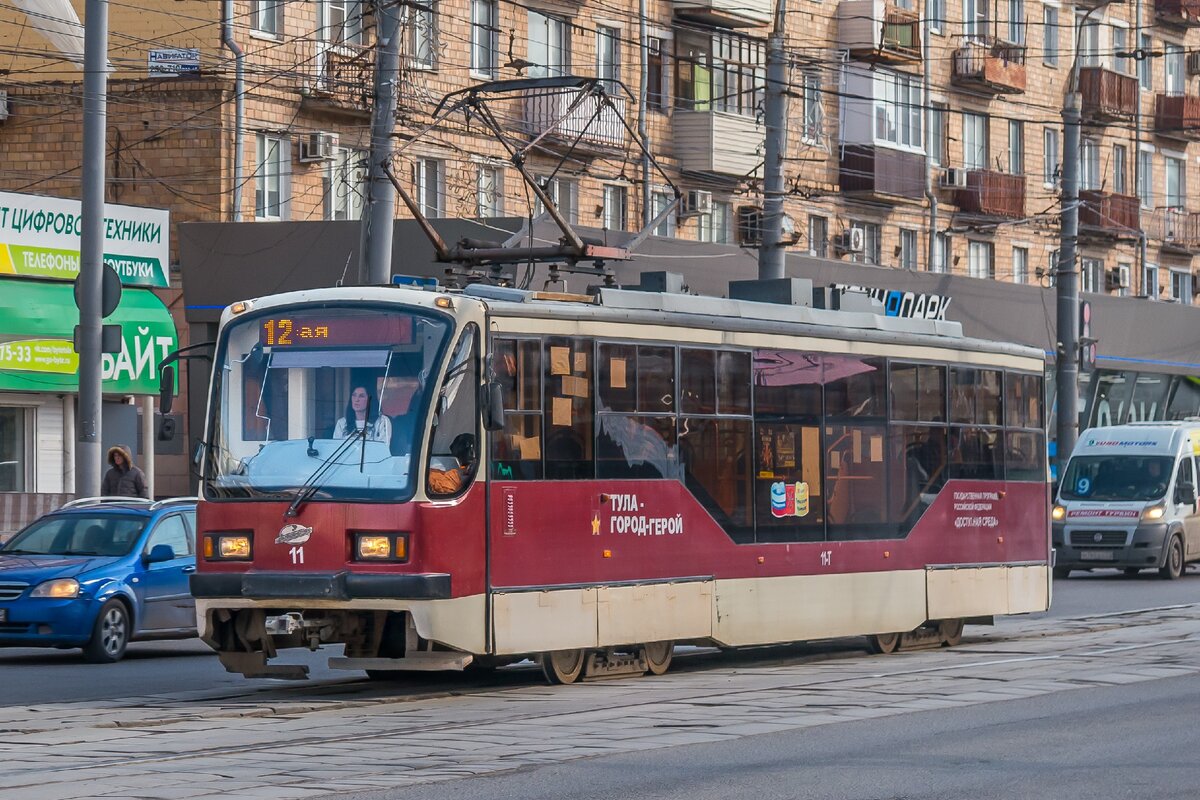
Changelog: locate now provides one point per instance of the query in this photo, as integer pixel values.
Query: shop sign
(896, 303)
(40, 238)
(174, 61)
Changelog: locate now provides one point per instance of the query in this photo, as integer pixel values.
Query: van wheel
(110, 634)
(1174, 566)
(1062, 573)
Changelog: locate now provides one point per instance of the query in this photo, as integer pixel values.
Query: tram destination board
(304, 329)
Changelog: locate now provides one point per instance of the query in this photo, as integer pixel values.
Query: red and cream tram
(438, 479)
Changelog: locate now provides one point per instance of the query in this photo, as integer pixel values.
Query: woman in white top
(362, 412)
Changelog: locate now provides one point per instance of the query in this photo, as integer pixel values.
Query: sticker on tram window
(1083, 486)
(789, 499)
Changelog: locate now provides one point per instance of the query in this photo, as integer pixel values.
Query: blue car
(99, 573)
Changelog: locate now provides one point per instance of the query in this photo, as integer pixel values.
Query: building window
(1120, 169)
(1016, 21)
(484, 33)
(1016, 147)
(716, 227)
(975, 141)
(1181, 286)
(908, 248)
(608, 57)
(1145, 68)
(15, 452)
(1089, 165)
(656, 74)
(1150, 286)
(269, 182)
(1173, 64)
(898, 110)
(615, 212)
(565, 196)
(343, 21)
(1176, 184)
(941, 253)
(1020, 265)
(814, 114)
(1050, 31)
(1145, 178)
(659, 200)
(935, 11)
(938, 138)
(268, 17)
(1088, 44)
(872, 243)
(346, 184)
(421, 34)
(975, 19)
(1091, 274)
(549, 45)
(430, 181)
(720, 72)
(818, 236)
(980, 260)
(1050, 156)
(1120, 44)
(489, 192)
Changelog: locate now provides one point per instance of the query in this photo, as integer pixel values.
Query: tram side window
(976, 453)
(733, 382)
(617, 369)
(697, 381)
(630, 445)
(854, 386)
(1024, 450)
(976, 448)
(517, 449)
(918, 392)
(788, 501)
(975, 396)
(1023, 400)
(567, 408)
(656, 380)
(787, 384)
(918, 470)
(855, 477)
(453, 451)
(716, 459)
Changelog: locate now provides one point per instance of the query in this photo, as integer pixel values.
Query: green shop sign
(39, 238)
(37, 326)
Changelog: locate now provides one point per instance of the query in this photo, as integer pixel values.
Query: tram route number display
(324, 330)
(975, 510)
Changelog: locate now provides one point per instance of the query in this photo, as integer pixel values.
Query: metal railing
(555, 112)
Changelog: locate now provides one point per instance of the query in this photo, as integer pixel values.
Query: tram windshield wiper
(314, 482)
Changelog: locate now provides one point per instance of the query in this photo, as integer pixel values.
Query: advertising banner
(37, 327)
(39, 238)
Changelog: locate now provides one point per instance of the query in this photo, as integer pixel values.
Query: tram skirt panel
(956, 592)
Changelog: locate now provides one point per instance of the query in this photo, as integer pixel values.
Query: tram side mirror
(492, 402)
(166, 389)
(1185, 494)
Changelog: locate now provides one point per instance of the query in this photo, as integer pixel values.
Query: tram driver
(362, 416)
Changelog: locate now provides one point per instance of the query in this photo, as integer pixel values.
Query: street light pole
(1066, 356)
(770, 253)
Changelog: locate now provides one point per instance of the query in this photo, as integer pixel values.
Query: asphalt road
(1133, 742)
(33, 675)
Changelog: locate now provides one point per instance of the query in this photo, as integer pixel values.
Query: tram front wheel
(658, 656)
(563, 666)
(884, 643)
(950, 631)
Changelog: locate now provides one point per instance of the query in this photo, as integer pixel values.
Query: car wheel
(1173, 567)
(110, 634)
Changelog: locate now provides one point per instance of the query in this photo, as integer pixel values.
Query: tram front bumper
(342, 585)
(1143, 548)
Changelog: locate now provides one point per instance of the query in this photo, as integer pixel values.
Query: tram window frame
(581, 408)
(641, 430)
(462, 410)
(1025, 456)
(522, 434)
(923, 408)
(735, 391)
(697, 381)
(859, 395)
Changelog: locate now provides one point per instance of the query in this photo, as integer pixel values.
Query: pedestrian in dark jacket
(124, 479)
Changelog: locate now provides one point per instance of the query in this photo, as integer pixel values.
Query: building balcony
(1177, 230)
(1182, 13)
(725, 13)
(1104, 215)
(553, 113)
(874, 30)
(344, 84)
(1107, 96)
(994, 66)
(1177, 116)
(717, 143)
(992, 194)
(867, 172)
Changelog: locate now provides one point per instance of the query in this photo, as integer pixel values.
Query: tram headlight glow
(1058, 514)
(227, 546)
(380, 546)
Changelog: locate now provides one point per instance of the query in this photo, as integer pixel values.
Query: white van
(1128, 500)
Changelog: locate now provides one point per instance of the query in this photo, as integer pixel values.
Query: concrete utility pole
(88, 457)
(770, 252)
(375, 261)
(1066, 356)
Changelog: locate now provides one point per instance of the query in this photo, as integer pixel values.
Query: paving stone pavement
(209, 745)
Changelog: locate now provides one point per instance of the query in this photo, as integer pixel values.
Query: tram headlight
(380, 546)
(1058, 514)
(1153, 513)
(227, 547)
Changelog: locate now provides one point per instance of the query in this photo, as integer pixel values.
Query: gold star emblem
(596, 525)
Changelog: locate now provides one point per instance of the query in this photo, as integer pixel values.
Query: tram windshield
(322, 401)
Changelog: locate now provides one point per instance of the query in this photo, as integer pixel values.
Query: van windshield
(1117, 477)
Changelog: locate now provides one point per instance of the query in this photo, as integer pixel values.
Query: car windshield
(1117, 477)
(322, 398)
(78, 535)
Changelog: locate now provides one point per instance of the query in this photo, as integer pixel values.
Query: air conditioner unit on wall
(953, 178)
(853, 240)
(696, 201)
(1193, 62)
(1118, 278)
(317, 146)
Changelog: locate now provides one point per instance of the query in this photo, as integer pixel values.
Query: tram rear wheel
(884, 643)
(563, 666)
(658, 656)
(950, 631)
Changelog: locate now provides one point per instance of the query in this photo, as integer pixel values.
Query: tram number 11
(297, 554)
(826, 558)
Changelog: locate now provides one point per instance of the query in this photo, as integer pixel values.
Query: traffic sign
(110, 293)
